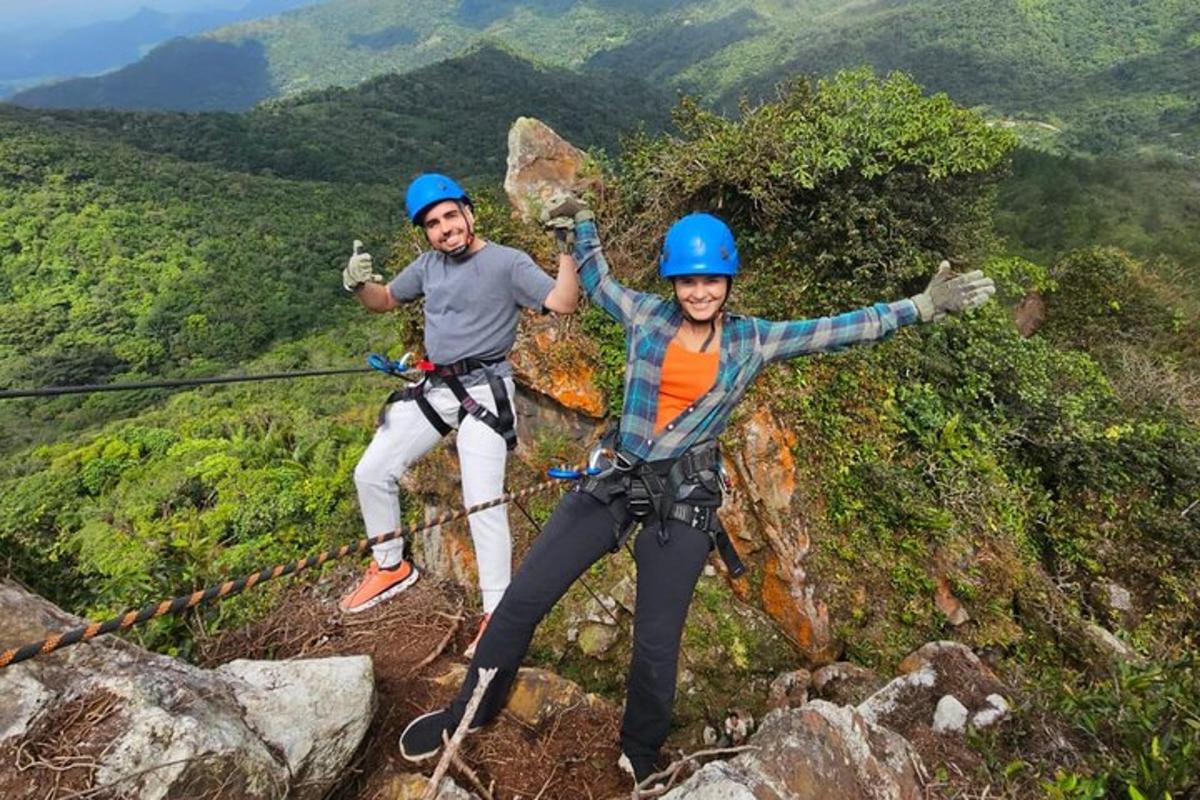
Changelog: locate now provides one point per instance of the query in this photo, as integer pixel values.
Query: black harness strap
(650, 490)
(431, 414)
(503, 424)
(704, 518)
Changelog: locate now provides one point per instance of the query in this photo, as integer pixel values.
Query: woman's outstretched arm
(947, 293)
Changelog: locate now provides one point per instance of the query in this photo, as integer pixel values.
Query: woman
(688, 363)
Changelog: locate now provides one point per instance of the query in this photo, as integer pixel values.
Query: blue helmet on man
(698, 244)
(429, 190)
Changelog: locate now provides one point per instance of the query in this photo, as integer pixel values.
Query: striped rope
(222, 590)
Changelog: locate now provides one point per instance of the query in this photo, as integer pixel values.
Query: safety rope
(223, 590)
(607, 612)
(54, 391)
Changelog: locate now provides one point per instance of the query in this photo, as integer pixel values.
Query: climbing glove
(359, 270)
(948, 293)
(559, 216)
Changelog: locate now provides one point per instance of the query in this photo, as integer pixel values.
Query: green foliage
(1144, 723)
(211, 486)
(842, 191)
(119, 265)
(1072, 786)
(610, 373)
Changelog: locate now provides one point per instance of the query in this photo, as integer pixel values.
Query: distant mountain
(455, 114)
(102, 46)
(184, 74)
(1107, 73)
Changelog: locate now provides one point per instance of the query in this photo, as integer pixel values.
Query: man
(473, 292)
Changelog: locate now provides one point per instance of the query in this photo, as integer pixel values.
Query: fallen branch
(441, 647)
(647, 788)
(460, 733)
(472, 778)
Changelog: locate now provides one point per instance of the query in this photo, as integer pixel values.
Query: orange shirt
(685, 376)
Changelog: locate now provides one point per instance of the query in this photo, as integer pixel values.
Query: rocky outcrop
(153, 727)
(537, 695)
(548, 361)
(540, 162)
(945, 687)
(1029, 314)
(844, 683)
(814, 752)
(765, 474)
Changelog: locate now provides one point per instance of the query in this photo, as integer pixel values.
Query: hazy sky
(15, 14)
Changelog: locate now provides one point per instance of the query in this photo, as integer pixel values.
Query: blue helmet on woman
(698, 244)
(429, 190)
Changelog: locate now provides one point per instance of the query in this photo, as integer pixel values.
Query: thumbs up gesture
(359, 270)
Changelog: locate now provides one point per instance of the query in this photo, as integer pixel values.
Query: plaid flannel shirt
(748, 344)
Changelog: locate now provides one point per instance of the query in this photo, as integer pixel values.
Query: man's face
(701, 296)
(448, 225)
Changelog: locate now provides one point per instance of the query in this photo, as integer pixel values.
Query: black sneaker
(423, 737)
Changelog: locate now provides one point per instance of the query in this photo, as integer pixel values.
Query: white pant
(404, 437)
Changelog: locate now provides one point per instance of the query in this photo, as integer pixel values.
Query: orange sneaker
(378, 585)
(470, 651)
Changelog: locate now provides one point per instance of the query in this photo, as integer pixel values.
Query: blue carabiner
(378, 362)
(384, 364)
(565, 473)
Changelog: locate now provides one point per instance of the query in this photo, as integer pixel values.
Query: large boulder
(815, 752)
(152, 727)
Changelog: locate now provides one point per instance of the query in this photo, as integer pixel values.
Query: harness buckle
(640, 501)
(701, 518)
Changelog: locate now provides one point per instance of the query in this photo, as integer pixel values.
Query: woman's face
(701, 296)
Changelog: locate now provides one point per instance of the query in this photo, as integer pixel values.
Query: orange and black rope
(223, 590)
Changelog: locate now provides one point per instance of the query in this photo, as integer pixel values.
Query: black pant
(578, 534)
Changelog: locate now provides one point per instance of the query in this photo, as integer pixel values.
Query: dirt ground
(412, 640)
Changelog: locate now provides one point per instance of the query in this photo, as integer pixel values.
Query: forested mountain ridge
(1111, 75)
(112, 43)
(454, 114)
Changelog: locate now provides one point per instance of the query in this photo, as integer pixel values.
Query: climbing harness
(228, 588)
(650, 493)
(501, 422)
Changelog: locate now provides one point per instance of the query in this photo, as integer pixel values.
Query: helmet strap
(712, 331)
(465, 247)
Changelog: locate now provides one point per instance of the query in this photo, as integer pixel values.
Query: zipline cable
(222, 590)
(87, 388)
